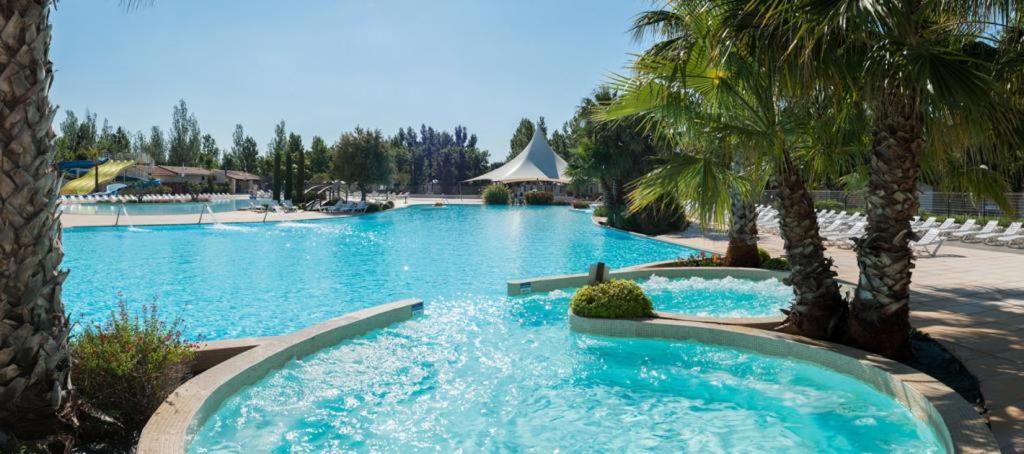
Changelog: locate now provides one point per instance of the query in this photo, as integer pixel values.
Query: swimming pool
(145, 209)
(507, 375)
(243, 280)
(477, 370)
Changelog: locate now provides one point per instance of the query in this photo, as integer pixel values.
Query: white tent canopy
(537, 162)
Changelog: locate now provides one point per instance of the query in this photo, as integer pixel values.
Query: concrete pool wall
(957, 424)
(249, 360)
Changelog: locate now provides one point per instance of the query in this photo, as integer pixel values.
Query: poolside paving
(104, 220)
(969, 298)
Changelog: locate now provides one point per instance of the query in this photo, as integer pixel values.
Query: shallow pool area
(507, 374)
(724, 297)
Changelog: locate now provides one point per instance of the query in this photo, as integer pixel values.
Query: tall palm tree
(34, 364)
(918, 67)
(688, 89)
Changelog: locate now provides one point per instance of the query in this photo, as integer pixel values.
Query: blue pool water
(477, 371)
(234, 281)
(145, 209)
(507, 375)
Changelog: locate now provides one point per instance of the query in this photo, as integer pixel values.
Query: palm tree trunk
(880, 312)
(818, 309)
(742, 250)
(34, 362)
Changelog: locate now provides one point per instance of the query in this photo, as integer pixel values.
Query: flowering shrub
(127, 366)
(539, 198)
(580, 204)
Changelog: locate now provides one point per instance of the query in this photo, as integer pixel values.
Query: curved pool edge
(171, 427)
(518, 287)
(958, 426)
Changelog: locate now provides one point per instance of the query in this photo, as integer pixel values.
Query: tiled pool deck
(969, 298)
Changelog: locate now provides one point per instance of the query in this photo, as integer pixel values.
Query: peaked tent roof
(537, 162)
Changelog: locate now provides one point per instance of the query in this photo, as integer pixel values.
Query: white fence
(938, 203)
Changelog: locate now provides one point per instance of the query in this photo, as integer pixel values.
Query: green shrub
(389, 204)
(617, 298)
(601, 212)
(776, 263)
(127, 366)
(829, 205)
(701, 261)
(580, 204)
(374, 207)
(539, 198)
(763, 255)
(497, 194)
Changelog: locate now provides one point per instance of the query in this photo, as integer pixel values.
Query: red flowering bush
(127, 366)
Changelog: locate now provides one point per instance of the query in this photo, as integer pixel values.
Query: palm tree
(34, 362)
(717, 104)
(920, 70)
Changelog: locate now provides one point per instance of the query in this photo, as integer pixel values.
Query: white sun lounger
(989, 227)
(1008, 237)
(929, 243)
(840, 239)
(1013, 229)
(948, 225)
(926, 224)
(967, 227)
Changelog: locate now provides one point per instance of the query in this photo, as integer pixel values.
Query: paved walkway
(969, 298)
(100, 220)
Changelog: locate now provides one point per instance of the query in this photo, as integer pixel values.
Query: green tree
(521, 137)
(925, 73)
(719, 107)
(319, 156)
(295, 179)
(289, 171)
(156, 146)
(276, 179)
(34, 357)
(209, 154)
(185, 148)
(249, 157)
(362, 157)
(67, 143)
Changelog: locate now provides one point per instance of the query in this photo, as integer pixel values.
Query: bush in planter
(126, 367)
(580, 204)
(763, 255)
(601, 212)
(829, 205)
(776, 264)
(539, 198)
(616, 298)
(389, 204)
(497, 194)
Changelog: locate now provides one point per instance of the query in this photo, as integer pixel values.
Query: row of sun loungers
(839, 229)
(114, 198)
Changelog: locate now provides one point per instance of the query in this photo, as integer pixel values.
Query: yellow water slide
(86, 184)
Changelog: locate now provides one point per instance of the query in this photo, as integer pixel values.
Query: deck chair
(926, 224)
(929, 243)
(989, 227)
(840, 239)
(967, 227)
(1013, 229)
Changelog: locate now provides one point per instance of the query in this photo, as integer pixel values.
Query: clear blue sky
(326, 66)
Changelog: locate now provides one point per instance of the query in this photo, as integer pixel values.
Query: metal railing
(937, 203)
